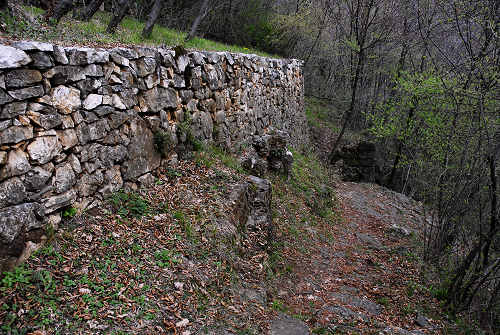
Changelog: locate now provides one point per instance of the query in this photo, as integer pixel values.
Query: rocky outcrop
(268, 152)
(251, 208)
(77, 124)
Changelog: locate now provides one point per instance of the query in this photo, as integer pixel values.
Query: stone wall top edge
(142, 51)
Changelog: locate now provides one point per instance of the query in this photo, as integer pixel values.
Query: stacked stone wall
(77, 124)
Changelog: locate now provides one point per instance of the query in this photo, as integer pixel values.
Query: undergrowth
(72, 31)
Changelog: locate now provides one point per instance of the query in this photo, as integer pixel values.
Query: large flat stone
(27, 92)
(60, 75)
(143, 156)
(85, 56)
(11, 57)
(15, 219)
(33, 46)
(22, 78)
(54, 203)
(13, 135)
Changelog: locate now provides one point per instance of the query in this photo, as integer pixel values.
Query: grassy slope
(92, 33)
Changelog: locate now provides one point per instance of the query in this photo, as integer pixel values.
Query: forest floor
(158, 262)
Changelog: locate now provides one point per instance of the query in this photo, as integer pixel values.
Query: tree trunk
(91, 9)
(350, 112)
(118, 15)
(201, 15)
(62, 8)
(152, 18)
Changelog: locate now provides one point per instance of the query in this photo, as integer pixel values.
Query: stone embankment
(77, 124)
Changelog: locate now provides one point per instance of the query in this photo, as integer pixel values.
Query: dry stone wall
(77, 124)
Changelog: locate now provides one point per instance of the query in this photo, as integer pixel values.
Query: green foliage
(69, 212)
(20, 275)
(166, 258)
(162, 142)
(310, 178)
(130, 204)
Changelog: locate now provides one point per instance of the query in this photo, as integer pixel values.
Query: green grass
(129, 31)
(320, 114)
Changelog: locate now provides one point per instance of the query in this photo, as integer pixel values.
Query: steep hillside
(172, 259)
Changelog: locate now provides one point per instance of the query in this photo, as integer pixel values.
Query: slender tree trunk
(62, 8)
(350, 112)
(91, 9)
(152, 18)
(118, 15)
(201, 15)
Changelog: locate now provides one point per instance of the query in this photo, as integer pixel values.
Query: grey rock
(400, 230)
(60, 75)
(46, 121)
(117, 119)
(93, 70)
(89, 184)
(13, 109)
(41, 60)
(43, 149)
(4, 97)
(85, 56)
(370, 241)
(66, 99)
(65, 178)
(145, 66)
(113, 180)
(119, 59)
(285, 325)
(17, 164)
(159, 98)
(346, 313)
(355, 301)
(104, 110)
(15, 134)
(22, 78)
(37, 178)
(15, 219)
(111, 155)
(54, 203)
(147, 180)
(127, 53)
(182, 63)
(75, 163)
(143, 156)
(11, 57)
(33, 46)
(12, 192)
(92, 101)
(27, 93)
(60, 55)
(422, 321)
(68, 138)
(5, 124)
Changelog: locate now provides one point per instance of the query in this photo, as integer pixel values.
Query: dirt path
(362, 276)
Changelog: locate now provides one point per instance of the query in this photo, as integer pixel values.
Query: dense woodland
(418, 77)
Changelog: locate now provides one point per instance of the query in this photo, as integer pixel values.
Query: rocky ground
(181, 258)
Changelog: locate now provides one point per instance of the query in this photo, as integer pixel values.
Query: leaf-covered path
(363, 275)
